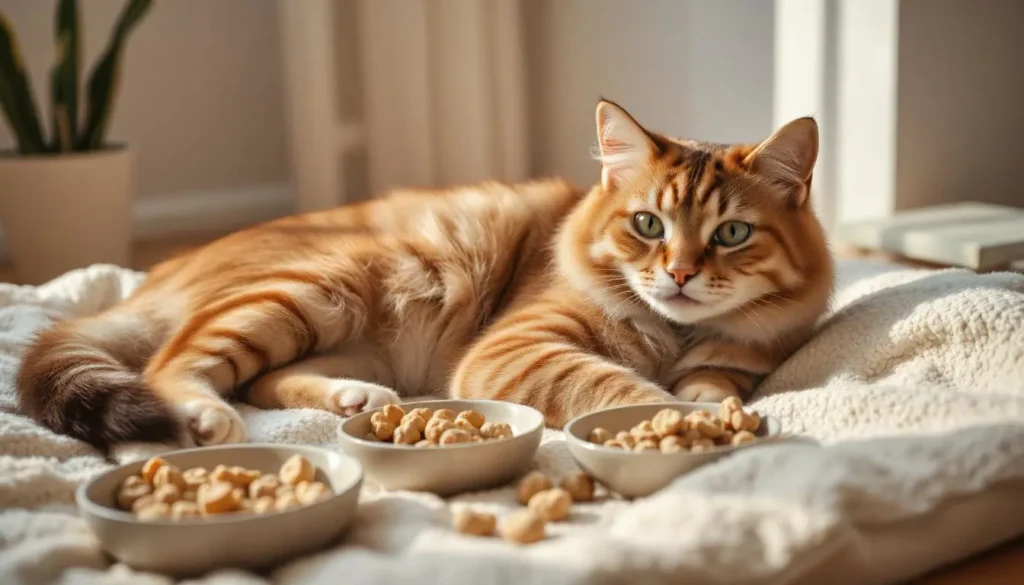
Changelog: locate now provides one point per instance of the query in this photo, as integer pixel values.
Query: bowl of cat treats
(637, 450)
(192, 511)
(444, 446)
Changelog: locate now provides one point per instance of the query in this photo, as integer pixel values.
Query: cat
(690, 270)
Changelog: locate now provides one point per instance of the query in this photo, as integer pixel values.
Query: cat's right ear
(624, 148)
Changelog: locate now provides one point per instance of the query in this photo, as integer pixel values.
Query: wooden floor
(1003, 565)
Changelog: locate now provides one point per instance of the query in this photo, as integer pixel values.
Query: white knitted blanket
(914, 388)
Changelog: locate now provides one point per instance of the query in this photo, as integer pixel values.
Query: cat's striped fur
(537, 293)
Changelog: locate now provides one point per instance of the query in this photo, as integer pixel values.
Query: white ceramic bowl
(454, 469)
(197, 546)
(633, 475)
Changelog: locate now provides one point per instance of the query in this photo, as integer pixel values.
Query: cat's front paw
(212, 422)
(705, 387)
(350, 397)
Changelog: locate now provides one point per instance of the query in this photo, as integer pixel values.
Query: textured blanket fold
(913, 391)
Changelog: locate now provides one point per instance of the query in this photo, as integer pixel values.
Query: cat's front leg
(710, 386)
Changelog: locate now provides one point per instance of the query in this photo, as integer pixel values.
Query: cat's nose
(680, 273)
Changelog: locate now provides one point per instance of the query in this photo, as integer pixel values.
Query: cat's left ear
(788, 156)
(624, 147)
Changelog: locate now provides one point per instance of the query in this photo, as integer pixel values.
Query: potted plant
(66, 199)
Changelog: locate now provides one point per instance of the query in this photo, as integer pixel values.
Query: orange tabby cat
(691, 269)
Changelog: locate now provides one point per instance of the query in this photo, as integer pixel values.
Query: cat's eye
(648, 225)
(733, 233)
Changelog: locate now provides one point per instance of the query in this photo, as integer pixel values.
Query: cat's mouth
(680, 299)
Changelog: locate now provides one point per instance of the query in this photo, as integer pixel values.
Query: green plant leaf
(64, 77)
(103, 81)
(16, 94)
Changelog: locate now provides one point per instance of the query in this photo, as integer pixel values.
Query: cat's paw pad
(350, 397)
(212, 422)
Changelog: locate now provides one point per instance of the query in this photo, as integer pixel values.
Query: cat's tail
(82, 378)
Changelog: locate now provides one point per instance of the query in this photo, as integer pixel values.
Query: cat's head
(697, 232)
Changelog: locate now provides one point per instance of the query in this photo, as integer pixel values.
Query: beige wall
(961, 102)
(694, 68)
(201, 88)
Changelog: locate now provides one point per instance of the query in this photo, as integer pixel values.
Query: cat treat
(163, 491)
(423, 427)
(670, 432)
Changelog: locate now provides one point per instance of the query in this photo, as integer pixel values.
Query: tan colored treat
(444, 414)
(644, 431)
(645, 445)
(523, 527)
(711, 428)
(286, 502)
(530, 485)
(394, 413)
(690, 435)
(311, 492)
(423, 443)
(467, 521)
(223, 473)
(297, 468)
(195, 477)
(745, 421)
(454, 437)
(614, 444)
(727, 407)
(407, 434)
(217, 497)
(188, 496)
(464, 424)
(238, 494)
(133, 481)
(244, 477)
(264, 486)
(415, 420)
(599, 436)
(743, 437)
(167, 494)
(672, 444)
(579, 486)
(378, 418)
(552, 505)
(496, 430)
(127, 496)
(476, 439)
(154, 511)
(149, 468)
(283, 489)
(701, 445)
(437, 427)
(264, 505)
(181, 510)
(422, 412)
(667, 422)
(474, 418)
(725, 439)
(625, 439)
(169, 475)
(143, 502)
(383, 430)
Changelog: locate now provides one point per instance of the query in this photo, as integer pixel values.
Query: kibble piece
(286, 502)
(423, 443)
(394, 413)
(244, 477)
(523, 527)
(437, 427)
(625, 439)
(455, 436)
(132, 481)
(169, 475)
(143, 502)
(474, 418)
(691, 434)
(407, 434)
(182, 509)
(711, 428)
(701, 445)
(743, 437)
(311, 492)
(150, 468)
(467, 521)
(444, 414)
(283, 489)
(530, 485)
(599, 436)
(579, 486)
(264, 486)
(422, 412)
(297, 468)
(496, 430)
(195, 477)
(645, 445)
(222, 473)
(728, 406)
(672, 444)
(127, 496)
(167, 494)
(217, 497)
(644, 431)
(614, 444)
(667, 422)
(461, 423)
(552, 505)
(264, 505)
(154, 511)
(745, 421)
(414, 420)
(383, 430)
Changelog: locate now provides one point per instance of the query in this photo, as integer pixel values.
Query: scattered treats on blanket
(579, 485)
(523, 527)
(423, 427)
(669, 431)
(474, 523)
(530, 484)
(164, 491)
(552, 505)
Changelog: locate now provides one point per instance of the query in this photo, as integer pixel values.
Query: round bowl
(634, 475)
(196, 546)
(454, 469)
